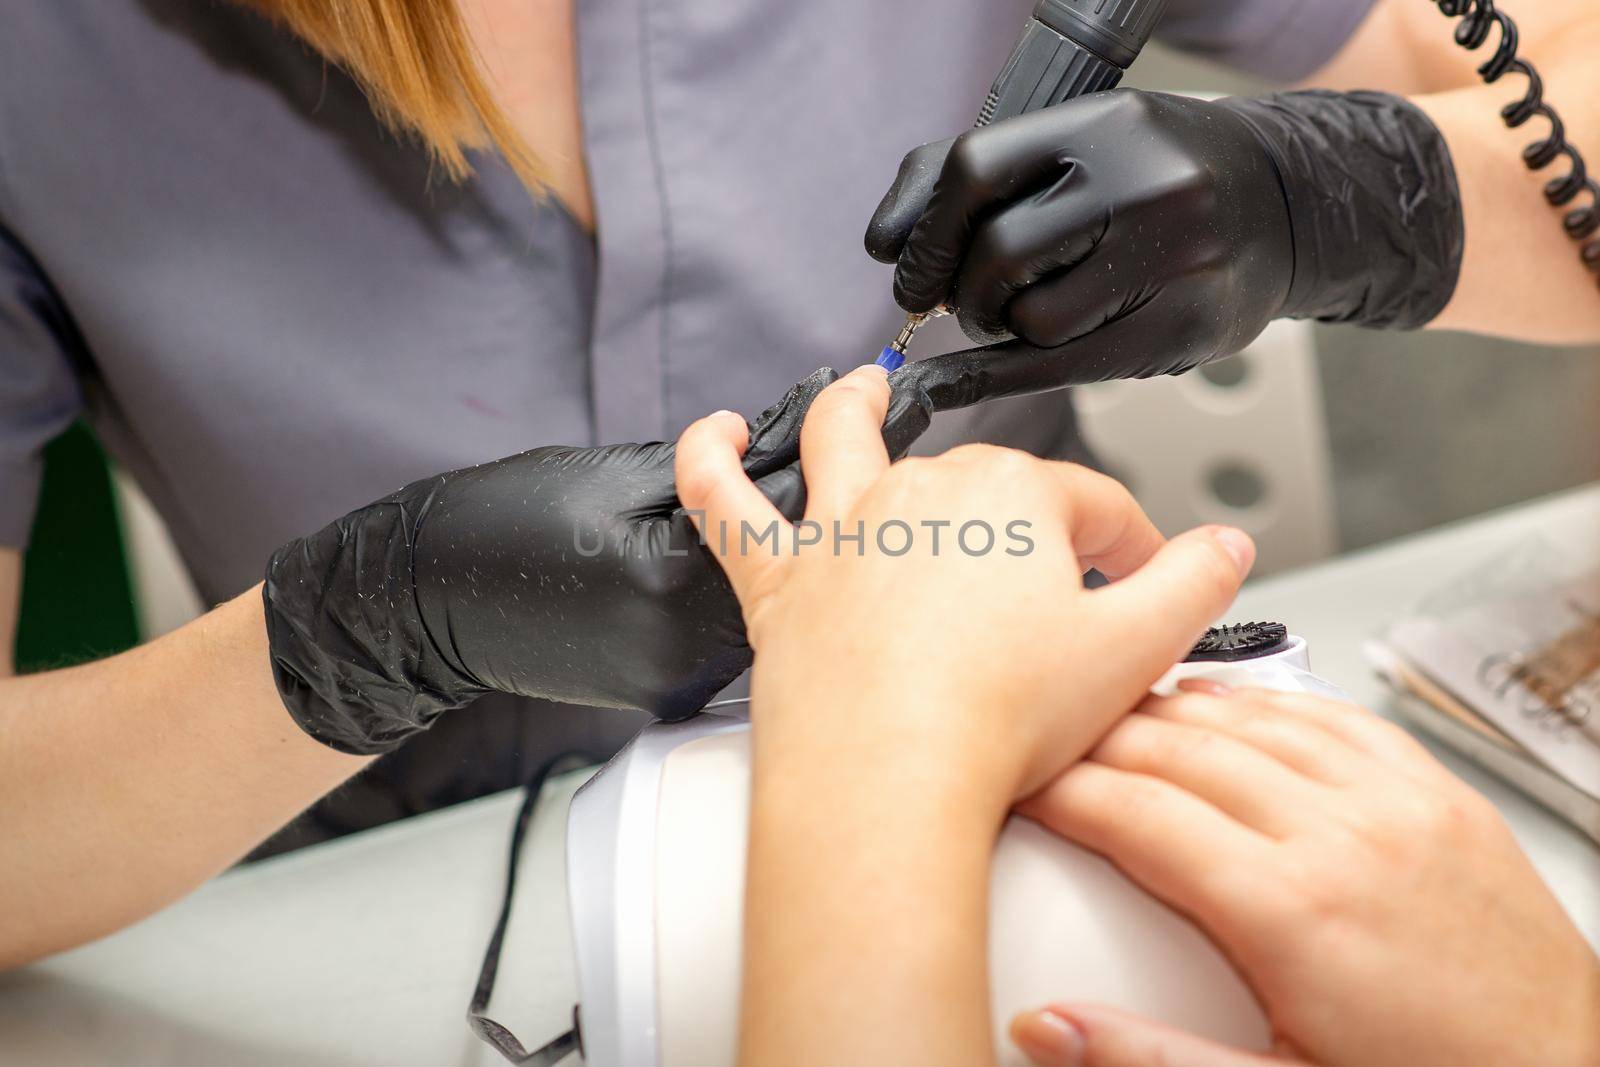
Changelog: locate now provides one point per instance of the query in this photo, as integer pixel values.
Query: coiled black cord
(1478, 19)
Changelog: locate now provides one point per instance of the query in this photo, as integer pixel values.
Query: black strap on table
(496, 1035)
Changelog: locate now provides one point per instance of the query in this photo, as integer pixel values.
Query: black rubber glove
(571, 574)
(1140, 233)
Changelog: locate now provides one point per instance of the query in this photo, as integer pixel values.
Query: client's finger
(1360, 727)
(1235, 777)
(1298, 743)
(841, 443)
(1110, 531)
(1071, 1035)
(1171, 842)
(1161, 609)
(720, 497)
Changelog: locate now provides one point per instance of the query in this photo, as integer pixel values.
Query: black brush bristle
(1241, 641)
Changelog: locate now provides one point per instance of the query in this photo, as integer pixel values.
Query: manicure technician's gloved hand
(1135, 233)
(571, 574)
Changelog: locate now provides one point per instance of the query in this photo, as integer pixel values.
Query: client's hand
(1378, 905)
(938, 604)
(925, 653)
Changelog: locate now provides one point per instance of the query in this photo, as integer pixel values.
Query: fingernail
(1237, 544)
(1049, 1038)
(1209, 686)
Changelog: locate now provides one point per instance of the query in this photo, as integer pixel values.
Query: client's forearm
(126, 783)
(866, 909)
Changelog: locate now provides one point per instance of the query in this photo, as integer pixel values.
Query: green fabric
(77, 600)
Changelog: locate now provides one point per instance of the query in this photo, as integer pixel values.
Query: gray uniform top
(271, 315)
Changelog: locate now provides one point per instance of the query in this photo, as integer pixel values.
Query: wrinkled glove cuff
(351, 656)
(1373, 205)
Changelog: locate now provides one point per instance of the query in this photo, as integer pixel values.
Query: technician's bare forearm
(126, 783)
(1521, 275)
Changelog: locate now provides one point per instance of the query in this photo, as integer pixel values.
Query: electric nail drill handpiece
(1068, 48)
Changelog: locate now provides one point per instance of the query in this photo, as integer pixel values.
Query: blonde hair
(416, 62)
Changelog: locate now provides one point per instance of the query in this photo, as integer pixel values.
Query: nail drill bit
(894, 355)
